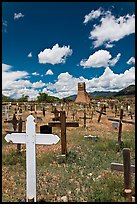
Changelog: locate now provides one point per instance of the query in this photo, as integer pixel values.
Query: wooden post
(63, 132)
(115, 110)
(120, 126)
(127, 173)
(99, 118)
(19, 130)
(14, 122)
(43, 111)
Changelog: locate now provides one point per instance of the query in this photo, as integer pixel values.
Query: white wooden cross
(31, 138)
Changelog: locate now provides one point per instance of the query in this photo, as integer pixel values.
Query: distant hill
(130, 90)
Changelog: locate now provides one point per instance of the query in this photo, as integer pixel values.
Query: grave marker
(101, 113)
(14, 122)
(85, 118)
(31, 138)
(63, 124)
(128, 169)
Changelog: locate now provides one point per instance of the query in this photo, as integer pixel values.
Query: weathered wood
(84, 117)
(101, 112)
(68, 124)
(127, 171)
(127, 168)
(120, 167)
(14, 122)
(63, 124)
(56, 114)
(19, 130)
(120, 126)
(123, 121)
(63, 132)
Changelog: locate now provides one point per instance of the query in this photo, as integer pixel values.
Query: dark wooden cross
(85, 118)
(101, 113)
(63, 124)
(120, 124)
(74, 114)
(56, 114)
(128, 169)
(14, 122)
(115, 110)
(43, 111)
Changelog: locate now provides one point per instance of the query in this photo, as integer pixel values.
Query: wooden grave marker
(63, 124)
(100, 113)
(127, 168)
(14, 122)
(85, 118)
(120, 124)
(56, 114)
(31, 138)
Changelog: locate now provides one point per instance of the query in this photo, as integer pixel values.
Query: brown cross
(56, 114)
(120, 124)
(63, 124)
(85, 118)
(128, 169)
(14, 122)
(101, 113)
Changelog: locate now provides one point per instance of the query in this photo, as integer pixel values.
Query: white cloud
(8, 76)
(18, 15)
(131, 61)
(66, 85)
(114, 60)
(38, 84)
(49, 72)
(101, 58)
(30, 54)
(14, 86)
(55, 55)
(112, 29)
(35, 74)
(93, 15)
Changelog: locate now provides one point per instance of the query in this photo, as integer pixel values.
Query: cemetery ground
(84, 176)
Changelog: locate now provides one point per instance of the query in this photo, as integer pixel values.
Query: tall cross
(31, 138)
(63, 124)
(56, 114)
(101, 113)
(85, 118)
(120, 124)
(127, 168)
(14, 122)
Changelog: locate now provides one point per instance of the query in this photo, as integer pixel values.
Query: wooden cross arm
(119, 167)
(124, 121)
(8, 121)
(68, 124)
(85, 118)
(101, 112)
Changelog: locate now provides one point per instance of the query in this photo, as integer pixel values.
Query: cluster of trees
(43, 97)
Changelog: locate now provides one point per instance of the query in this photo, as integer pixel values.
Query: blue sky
(51, 46)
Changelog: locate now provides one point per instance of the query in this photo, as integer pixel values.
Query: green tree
(23, 98)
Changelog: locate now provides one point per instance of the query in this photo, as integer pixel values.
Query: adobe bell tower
(82, 96)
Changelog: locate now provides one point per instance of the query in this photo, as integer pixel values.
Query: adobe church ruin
(82, 96)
